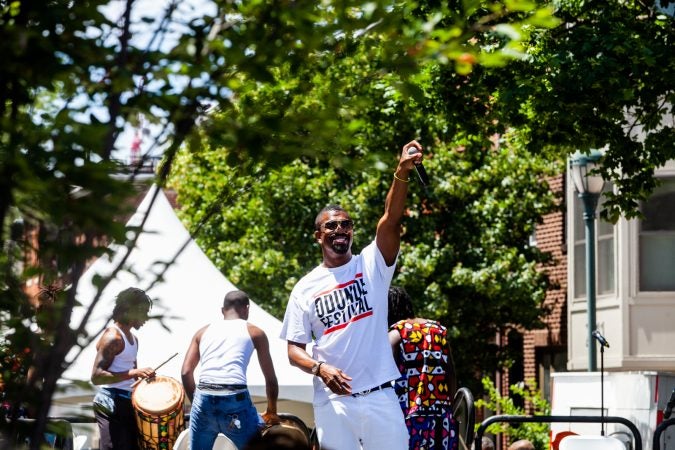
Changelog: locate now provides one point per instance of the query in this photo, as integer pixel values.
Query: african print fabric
(423, 390)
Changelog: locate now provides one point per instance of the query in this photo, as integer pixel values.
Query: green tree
(465, 256)
(537, 433)
(73, 77)
(71, 80)
(603, 78)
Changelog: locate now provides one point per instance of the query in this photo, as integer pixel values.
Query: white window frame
(646, 297)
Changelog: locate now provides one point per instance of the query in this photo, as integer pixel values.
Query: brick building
(635, 285)
(545, 350)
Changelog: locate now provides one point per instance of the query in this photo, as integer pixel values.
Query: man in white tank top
(341, 305)
(115, 370)
(220, 401)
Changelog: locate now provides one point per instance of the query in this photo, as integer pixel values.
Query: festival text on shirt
(343, 304)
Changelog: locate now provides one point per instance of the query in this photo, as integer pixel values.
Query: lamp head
(582, 168)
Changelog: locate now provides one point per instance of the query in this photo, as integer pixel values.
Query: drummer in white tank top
(223, 349)
(125, 360)
(115, 370)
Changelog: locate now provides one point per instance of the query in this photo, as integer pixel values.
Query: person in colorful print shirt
(427, 384)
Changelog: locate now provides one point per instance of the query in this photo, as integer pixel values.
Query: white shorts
(370, 422)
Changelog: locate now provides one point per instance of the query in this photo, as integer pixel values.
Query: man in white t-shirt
(341, 305)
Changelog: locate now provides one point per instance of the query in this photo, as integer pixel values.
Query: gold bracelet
(401, 179)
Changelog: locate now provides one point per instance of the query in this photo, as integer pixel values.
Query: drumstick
(155, 370)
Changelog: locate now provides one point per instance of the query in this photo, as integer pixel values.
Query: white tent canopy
(188, 295)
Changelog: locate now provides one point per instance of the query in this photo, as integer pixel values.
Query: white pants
(371, 422)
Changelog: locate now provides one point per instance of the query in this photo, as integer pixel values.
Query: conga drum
(158, 403)
(290, 433)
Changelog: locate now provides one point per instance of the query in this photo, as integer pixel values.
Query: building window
(657, 239)
(604, 250)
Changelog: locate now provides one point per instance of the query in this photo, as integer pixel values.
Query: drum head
(291, 430)
(158, 395)
(286, 434)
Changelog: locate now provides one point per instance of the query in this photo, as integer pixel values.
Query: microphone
(419, 168)
(600, 338)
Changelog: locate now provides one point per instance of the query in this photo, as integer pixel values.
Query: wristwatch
(316, 367)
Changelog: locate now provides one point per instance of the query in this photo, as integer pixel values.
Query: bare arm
(388, 236)
(190, 363)
(394, 341)
(110, 345)
(298, 356)
(336, 380)
(262, 347)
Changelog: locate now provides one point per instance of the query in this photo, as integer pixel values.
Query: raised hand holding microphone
(419, 167)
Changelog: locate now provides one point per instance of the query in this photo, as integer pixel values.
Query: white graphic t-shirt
(344, 310)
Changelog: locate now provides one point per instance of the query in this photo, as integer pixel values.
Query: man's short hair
(487, 444)
(130, 299)
(235, 299)
(336, 208)
(522, 444)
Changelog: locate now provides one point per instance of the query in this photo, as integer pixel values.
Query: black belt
(220, 387)
(376, 388)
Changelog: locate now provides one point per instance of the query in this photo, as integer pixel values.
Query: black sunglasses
(332, 225)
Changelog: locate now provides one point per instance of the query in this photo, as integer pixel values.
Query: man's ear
(317, 236)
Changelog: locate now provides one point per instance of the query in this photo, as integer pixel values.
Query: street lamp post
(589, 185)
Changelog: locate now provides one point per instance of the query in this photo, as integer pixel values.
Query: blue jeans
(233, 415)
(116, 419)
